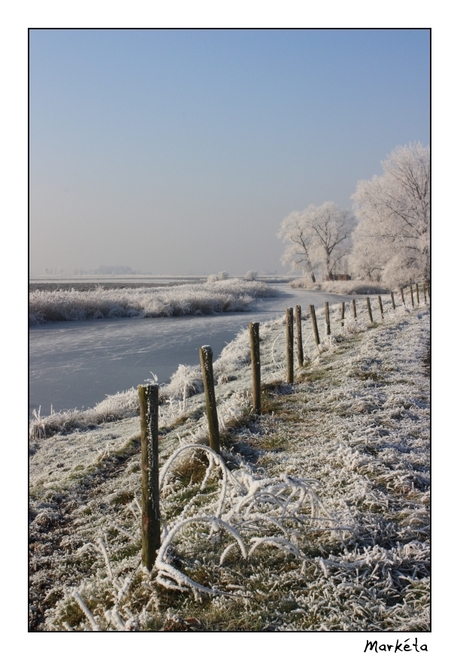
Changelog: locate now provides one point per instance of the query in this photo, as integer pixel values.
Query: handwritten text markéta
(403, 646)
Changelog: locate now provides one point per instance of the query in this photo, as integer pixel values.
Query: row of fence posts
(149, 398)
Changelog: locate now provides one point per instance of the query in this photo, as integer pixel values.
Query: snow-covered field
(316, 517)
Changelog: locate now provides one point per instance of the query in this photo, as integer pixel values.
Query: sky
(180, 151)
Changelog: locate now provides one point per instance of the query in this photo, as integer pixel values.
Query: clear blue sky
(181, 151)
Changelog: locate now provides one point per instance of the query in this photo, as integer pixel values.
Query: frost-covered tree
(298, 252)
(393, 210)
(367, 259)
(317, 236)
(332, 228)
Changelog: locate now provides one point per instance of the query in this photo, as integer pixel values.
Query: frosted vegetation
(387, 240)
(219, 295)
(345, 288)
(392, 240)
(314, 517)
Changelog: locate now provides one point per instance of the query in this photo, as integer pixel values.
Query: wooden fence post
(289, 345)
(255, 362)
(401, 291)
(327, 318)
(381, 306)
(342, 313)
(369, 309)
(151, 530)
(412, 296)
(417, 292)
(298, 327)
(393, 300)
(211, 406)
(314, 324)
(353, 307)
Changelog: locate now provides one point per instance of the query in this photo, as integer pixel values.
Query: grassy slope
(355, 425)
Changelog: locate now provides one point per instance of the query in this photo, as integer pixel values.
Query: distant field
(90, 284)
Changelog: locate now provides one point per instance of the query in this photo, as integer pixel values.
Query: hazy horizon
(181, 151)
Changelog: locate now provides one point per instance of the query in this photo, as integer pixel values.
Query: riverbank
(77, 364)
(327, 491)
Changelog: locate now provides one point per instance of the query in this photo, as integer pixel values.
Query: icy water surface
(76, 364)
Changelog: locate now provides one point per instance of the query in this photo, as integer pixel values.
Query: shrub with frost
(401, 270)
(349, 287)
(186, 381)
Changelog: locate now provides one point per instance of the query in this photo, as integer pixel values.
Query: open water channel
(76, 364)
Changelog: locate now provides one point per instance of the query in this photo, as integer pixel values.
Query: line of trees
(385, 239)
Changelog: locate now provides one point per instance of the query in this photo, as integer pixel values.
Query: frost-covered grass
(113, 407)
(315, 517)
(350, 287)
(230, 295)
(342, 287)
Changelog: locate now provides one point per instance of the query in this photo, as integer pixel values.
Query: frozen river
(76, 364)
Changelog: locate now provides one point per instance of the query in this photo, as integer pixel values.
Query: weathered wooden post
(211, 406)
(369, 309)
(417, 292)
(401, 291)
(412, 296)
(255, 362)
(342, 313)
(393, 300)
(381, 306)
(327, 318)
(314, 324)
(298, 327)
(353, 307)
(424, 292)
(290, 345)
(151, 530)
